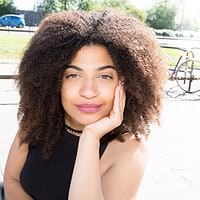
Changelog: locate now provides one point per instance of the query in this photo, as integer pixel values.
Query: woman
(90, 83)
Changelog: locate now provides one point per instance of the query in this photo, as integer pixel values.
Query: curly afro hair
(131, 45)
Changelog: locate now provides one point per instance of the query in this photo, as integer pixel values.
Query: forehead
(94, 55)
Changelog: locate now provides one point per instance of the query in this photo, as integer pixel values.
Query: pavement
(173, 169)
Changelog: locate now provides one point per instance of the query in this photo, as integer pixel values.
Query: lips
(89, 108)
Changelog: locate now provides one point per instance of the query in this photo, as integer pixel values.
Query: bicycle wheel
(186, 55)
(188, 76)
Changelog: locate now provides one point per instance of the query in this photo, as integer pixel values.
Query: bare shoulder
(127, 151)
(124, 164)
(18, 148)
(131, 145)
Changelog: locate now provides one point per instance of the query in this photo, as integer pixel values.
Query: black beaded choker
(73, 131)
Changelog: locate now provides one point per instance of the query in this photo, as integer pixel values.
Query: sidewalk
(173, 170)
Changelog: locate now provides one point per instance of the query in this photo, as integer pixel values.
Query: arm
(15, 162)
(123, 174)
(86, 181)
(122, 179)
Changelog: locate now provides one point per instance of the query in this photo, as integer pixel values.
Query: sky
(191, 6)
(24, 4)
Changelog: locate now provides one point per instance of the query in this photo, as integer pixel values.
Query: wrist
(89, 135)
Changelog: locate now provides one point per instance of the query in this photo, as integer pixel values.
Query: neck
(73, 131)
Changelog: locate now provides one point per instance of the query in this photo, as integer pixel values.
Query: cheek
(109, 94)
(65, 94)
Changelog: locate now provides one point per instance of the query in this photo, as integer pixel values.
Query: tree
(50, 6)
(162, 15)
(131, 9)
(191, 24)
(86, 4)
(66, 4)
(7, 6)
(122, 6)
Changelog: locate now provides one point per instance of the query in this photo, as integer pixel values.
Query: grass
(13, 45)
(173, 55)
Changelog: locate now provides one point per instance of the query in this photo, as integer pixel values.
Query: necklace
(73, 131)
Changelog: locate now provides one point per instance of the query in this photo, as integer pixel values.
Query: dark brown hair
(134, 51)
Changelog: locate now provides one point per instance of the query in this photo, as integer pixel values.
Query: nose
(89, 89)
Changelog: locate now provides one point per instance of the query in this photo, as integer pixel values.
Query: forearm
(14, 191)
(86, 179)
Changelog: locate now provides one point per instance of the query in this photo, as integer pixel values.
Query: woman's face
(88, 86)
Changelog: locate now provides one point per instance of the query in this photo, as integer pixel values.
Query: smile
(89, 108)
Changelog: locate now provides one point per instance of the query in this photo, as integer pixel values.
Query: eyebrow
(98, 69)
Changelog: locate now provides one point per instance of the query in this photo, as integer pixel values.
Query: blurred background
(177, 17)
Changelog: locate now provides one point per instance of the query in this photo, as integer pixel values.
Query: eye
(106, 76)
(71, 76)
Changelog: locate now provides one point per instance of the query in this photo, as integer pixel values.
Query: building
(32, 18)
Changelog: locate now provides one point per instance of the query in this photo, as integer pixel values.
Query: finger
(122, 95)
(118, 105)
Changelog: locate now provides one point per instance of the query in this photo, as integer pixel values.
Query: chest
(50, 179)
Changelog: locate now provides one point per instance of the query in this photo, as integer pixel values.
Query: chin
(86, 121)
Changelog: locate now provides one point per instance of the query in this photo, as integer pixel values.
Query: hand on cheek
(106, 124)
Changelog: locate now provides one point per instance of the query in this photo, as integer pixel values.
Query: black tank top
(50, 179)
